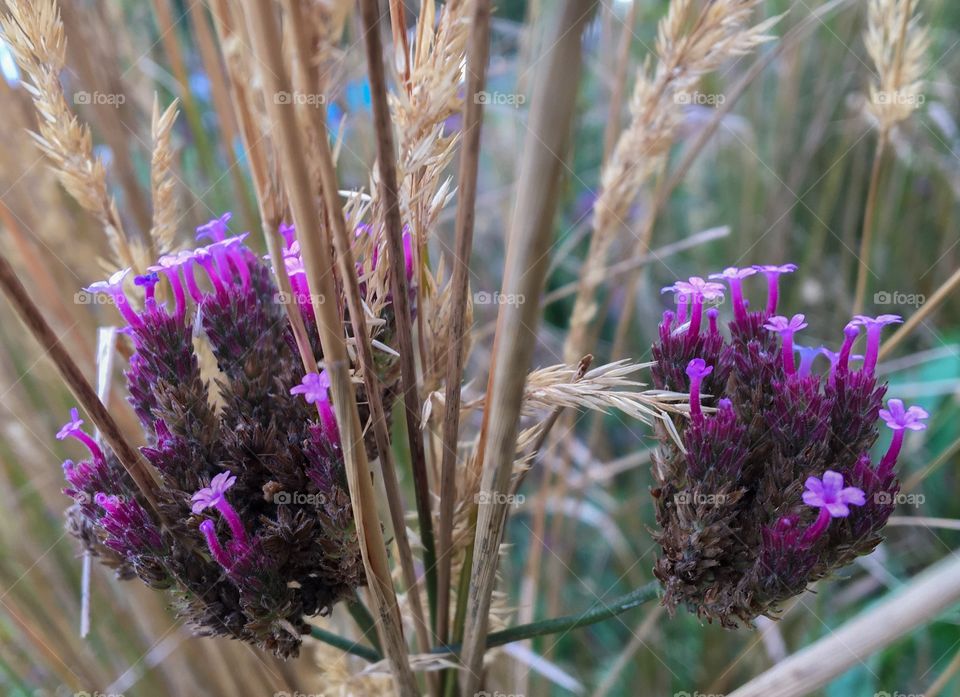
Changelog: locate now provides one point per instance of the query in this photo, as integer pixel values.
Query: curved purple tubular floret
(773, 452)
(259, 532)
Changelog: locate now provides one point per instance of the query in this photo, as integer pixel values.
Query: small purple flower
(833, 500)
(211, 496)
(214, 496)
(113, 287)
(773, 273)
(209, 530)
(808, 354)
(169, 265)
(786, 328)
(216, 229)
(149, 283)
(697, 370)
(289, 234)
(73, 429)
(899, 420)
(694, 291)
(734, 277)
(314, 387)
(874, 326)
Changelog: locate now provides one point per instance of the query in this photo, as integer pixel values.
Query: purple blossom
(113, 287)
(169, 265)
(773, 273)
(697, 370)
(211, 496)
(214, 496)
(216, 229)
(149, 283)
(694, 291)
(314, 388)
(808, 354)
(899, 420)
(833, 500)
(786, 328)
(73, 429)
(874, 326)
(734, 277)
(289, 234)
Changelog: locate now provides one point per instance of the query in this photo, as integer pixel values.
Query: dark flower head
(773, 452)
(245, 557)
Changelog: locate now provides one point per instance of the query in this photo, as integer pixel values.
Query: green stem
(599, 612)
(363, 618)
(365, 652)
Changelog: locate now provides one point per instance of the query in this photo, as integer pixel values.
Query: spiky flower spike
(259, 532)
(776, 488)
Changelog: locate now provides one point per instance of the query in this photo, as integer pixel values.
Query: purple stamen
(113, 287)
(874, 327)
(899, 419)
(216, 229)
(208, 528)
(697, 370)
(314, 389)
(214, 496)
(734, 278)
(773, 273)
(808, 355)
(786, 328)
(149, 284)
(73, 429)
(833, 500)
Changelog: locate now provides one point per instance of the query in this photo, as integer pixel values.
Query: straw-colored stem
(388, 191)
(82, 390)
(619, 87)
(901, 612)
(551, 113)
(263, 29)
(916, 319)
(478, 46)
(866, 234)
(341, 240)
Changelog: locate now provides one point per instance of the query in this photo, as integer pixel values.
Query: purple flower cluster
(244, 557)
(774, 487)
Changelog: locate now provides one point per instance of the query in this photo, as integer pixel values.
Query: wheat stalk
(162, 184)
(35, 33)
(896, 43)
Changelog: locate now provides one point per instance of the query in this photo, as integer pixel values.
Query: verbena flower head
(257, 532)
(775, 486)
